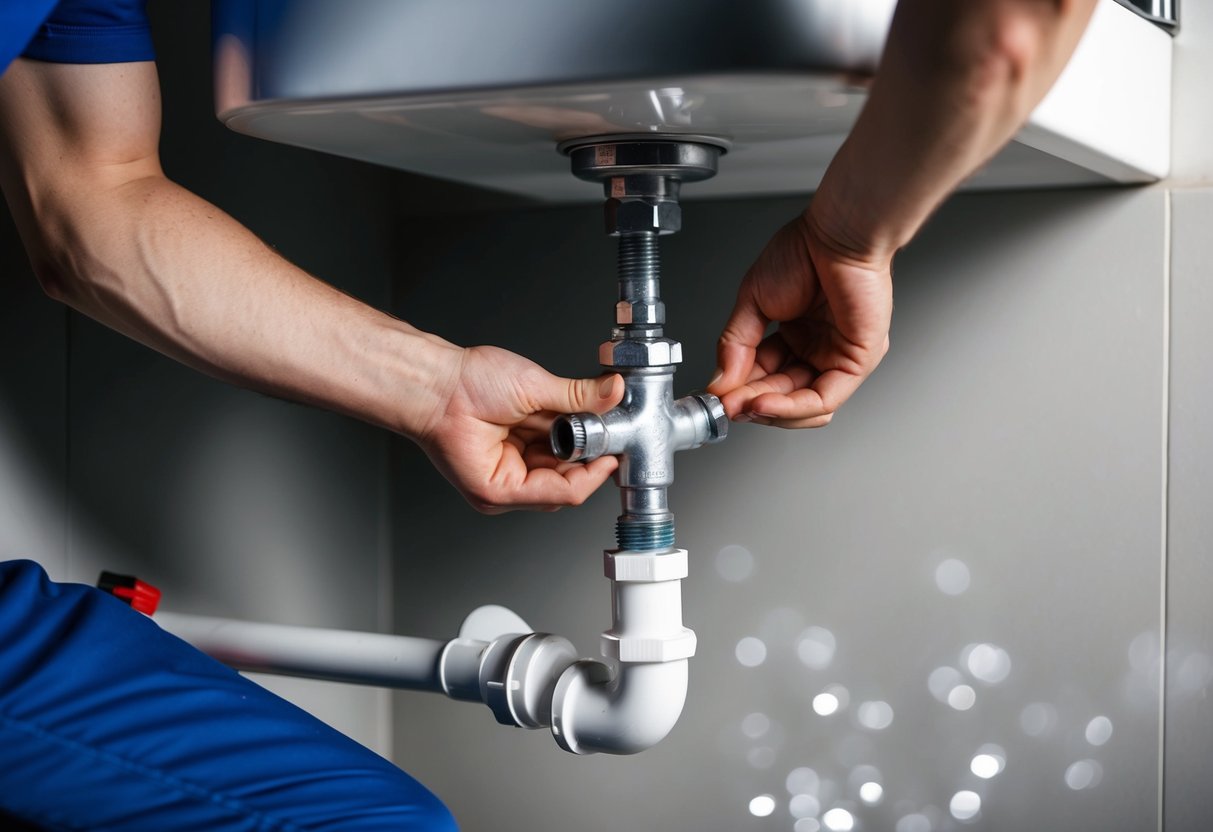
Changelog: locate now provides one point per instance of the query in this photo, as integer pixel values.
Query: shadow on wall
(33, 452)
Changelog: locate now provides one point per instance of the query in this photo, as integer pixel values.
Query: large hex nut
(629, 215)
(639, 312)
(649, 352)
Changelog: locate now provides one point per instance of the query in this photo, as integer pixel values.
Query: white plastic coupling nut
(632, 649)
(518, 675)
(648, 567)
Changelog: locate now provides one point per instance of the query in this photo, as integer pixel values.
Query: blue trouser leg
(108, 722)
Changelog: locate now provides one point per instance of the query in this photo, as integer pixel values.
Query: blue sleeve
(18, 21)
(93, 32)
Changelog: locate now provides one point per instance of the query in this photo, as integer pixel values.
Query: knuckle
(578, 394)
(483, 500)
(829, 405)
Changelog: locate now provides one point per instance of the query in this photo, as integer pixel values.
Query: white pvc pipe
(594, 711)
(338, 655)
(526, 679)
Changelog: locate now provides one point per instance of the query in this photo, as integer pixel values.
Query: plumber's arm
(956, 80)
(110, 236)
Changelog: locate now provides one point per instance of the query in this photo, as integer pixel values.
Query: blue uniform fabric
(19, 19)
(93, 32)
(75, 31)
(109, 722)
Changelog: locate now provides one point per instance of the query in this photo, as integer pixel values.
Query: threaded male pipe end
(644, 535)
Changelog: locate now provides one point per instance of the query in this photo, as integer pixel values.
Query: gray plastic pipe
(336, 655)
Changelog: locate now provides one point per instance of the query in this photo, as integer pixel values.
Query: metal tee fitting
(645, 431)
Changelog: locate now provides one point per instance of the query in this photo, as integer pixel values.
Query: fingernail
(755, 414)
(719, 375)
(742, 418)
(606, 386)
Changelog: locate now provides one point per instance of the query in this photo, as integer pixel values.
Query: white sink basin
(482, 91)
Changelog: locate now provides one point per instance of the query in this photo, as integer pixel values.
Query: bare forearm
(956, 81)
(108, 234)
(163, 266)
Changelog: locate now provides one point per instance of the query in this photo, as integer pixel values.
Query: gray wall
(1017, 427)
(1188, 802)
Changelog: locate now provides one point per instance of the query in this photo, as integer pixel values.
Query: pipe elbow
(595, 713)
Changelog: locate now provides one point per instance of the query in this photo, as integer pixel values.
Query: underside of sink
(483, 93)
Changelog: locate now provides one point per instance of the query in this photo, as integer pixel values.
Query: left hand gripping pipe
(536, 680)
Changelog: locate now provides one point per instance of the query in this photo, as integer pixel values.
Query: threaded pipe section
(644, 535)
(639, 266)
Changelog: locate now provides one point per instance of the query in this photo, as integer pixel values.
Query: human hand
(490, 435)
(833, 310)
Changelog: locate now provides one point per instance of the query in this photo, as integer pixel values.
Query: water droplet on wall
(751, 651)
(734, 563)
(952, 577)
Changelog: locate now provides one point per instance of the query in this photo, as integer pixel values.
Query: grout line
(1166, 454)
(383, 577)
(386, 593)
(68, 517)
(387, 525)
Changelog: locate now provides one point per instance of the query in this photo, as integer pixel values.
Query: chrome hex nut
(650, 352)
(639, 312)
(629, 215)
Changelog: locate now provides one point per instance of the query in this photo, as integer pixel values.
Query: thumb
(573, 395)
(738, 344)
